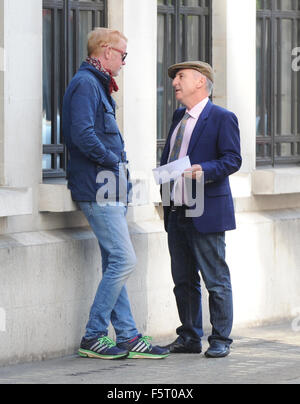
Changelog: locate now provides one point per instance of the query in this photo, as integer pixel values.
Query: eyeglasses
(123, 54)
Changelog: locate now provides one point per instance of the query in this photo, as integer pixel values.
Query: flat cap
(201, 67)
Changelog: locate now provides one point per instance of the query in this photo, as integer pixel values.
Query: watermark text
(180, 190)
(296, 61)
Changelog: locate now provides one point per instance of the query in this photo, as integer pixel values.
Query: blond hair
(101, 37)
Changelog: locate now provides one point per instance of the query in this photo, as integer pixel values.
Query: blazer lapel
(200, 126)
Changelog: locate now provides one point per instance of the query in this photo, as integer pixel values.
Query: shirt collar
(196, 111)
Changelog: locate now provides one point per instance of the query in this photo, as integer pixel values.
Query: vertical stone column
(140, 84)
(219, 37)
(136, 100)
(2, 70)
(234, 62)
(21, 92)
(241, 74)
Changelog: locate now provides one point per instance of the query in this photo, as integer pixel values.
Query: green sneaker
(101, 348)
(141, 348)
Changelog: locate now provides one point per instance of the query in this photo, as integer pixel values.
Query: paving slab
(264, 355)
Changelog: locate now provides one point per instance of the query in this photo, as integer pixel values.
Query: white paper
(171, 171)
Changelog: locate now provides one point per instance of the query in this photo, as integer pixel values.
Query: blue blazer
(215, 145)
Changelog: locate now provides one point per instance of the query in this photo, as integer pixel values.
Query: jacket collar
(102, 77)
(200, 126)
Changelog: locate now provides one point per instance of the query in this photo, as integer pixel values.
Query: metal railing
(278, 85)
(66, 24)
(184, 33)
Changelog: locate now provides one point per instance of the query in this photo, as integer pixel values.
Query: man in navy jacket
(98, 180)
(209, 135)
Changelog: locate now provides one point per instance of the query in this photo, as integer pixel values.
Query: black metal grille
(278, 85)
(66, 24)
(184, 33)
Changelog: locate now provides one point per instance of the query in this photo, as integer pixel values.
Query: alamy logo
(182, 191)
(296, 61)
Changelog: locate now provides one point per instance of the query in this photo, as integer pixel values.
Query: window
(66, 24)
(278, 85)
(184, 33)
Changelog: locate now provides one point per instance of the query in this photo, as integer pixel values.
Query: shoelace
(107, 341)
(146, 340)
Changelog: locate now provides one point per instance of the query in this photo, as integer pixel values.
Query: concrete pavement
(265, 355)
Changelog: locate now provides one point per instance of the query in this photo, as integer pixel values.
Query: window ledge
(54, 196)
(276, 181)
(15, 201)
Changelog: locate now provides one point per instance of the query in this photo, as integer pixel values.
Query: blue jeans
(111, 302)
(192, 252)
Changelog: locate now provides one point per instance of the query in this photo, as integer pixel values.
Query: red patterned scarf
(97, 64)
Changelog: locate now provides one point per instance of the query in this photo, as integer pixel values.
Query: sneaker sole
(90, 354)
(137, 355)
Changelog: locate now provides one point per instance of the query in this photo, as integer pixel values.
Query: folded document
(170, 172)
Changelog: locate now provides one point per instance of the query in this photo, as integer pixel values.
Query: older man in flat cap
(210, 136)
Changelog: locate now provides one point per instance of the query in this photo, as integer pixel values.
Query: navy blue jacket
(215, 145)
(92, 135)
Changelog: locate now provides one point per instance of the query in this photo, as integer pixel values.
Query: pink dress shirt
(195, 112)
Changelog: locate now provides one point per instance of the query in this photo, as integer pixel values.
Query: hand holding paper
(170, 172)
(192, 172)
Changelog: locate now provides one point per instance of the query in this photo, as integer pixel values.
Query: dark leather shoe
(182, 346)
(217, 350)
